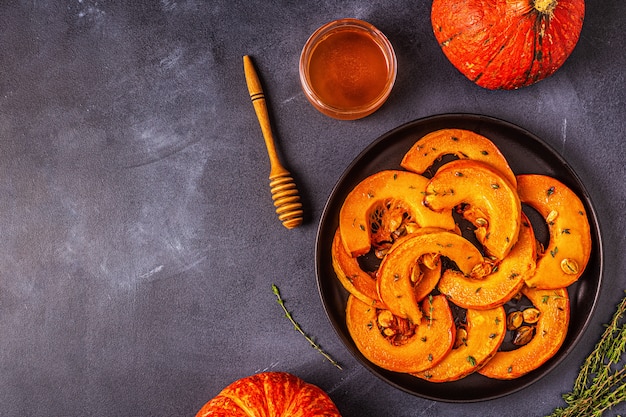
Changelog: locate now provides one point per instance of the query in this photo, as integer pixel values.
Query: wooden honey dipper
(283, 188)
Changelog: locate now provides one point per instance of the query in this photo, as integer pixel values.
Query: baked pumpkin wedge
(405, 294)
(476, 343)
(393, 344)
(384, 201)
(426, 273)
(490, 202)
(461, 143)
(550, 332)
(354, 279)
(567, 254)
(396, 271)
(505, 280)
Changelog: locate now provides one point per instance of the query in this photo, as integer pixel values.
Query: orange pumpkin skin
(507, 44)
(270, 394)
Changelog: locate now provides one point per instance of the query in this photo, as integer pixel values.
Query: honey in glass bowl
(347, 69)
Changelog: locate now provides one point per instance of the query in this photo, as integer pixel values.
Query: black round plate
(526, 154)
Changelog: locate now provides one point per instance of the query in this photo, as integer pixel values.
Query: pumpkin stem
(545, 6)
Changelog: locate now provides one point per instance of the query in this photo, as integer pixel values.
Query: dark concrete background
(139, 243)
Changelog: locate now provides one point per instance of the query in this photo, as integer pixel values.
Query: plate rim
(542, 371)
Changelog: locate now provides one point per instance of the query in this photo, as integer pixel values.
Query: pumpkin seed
(461, 337)
(399, 232)
(552, 216)
(389, 332)
(382, 250)
(514, 320)
(411, 227)
(531, 315)
(430, 260)
(416, 274)
(482, 270)
(569, 266)
(523, 335)
(481, 221)
(385, 319)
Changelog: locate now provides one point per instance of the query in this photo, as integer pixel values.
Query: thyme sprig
(297, 327)
(601, 382)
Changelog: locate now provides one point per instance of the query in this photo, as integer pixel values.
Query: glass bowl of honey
(347, 69)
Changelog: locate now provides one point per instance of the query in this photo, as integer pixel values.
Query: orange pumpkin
(403, 295)
(354, 279)
(461, 143)
(481, 338)
(396, 270)
(270, 394)
(505, 280)
(393, 195)
(554, 308)
(402, 348)
(567, 254)
(494, 206)
(507, 44)
(402, 291)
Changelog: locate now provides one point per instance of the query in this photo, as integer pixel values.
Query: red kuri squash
(507, 44)
(270, 394)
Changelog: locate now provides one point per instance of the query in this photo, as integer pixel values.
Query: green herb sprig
(601, 382)
(297, 327)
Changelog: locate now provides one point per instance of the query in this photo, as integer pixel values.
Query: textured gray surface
(139, 242)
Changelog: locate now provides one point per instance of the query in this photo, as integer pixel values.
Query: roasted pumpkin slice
(393, 195)
(396, 271)
(476, 342)
(567, 253)
(462, 143)
(394, 344)
(353, 278)
(505, 280)
(550, 332)
(405, 294)
(490, 202)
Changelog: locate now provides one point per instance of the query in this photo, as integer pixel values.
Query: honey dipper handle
(260, 107)
(283, 188)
